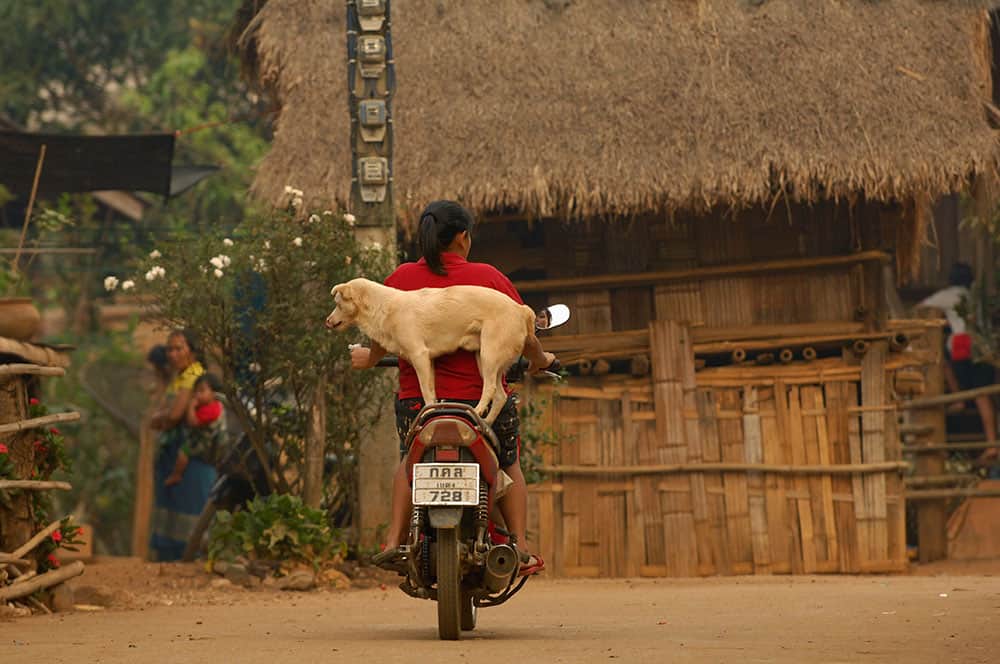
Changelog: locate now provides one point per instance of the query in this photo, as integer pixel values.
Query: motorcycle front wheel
(449, 585)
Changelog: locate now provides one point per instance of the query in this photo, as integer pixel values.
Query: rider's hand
(361, 357)
(549, 358)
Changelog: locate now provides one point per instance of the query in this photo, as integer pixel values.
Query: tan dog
(422, 325)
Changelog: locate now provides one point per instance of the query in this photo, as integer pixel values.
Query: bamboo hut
(725, 193)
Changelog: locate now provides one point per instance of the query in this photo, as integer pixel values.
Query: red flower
(57, 536)
(33, 401)
(54, 431)
(3, 449)
(53, 560)
(40, 447)
(79, 532)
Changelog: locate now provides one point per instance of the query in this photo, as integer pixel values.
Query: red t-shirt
(456, 376)
(208, 413)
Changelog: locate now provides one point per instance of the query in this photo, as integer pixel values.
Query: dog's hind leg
(488, 371)
(424, 368)
(499, 396)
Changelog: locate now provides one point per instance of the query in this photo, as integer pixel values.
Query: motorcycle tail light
(448, 431)
(442, 453)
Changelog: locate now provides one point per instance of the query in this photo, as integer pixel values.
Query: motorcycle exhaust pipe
(501, 562)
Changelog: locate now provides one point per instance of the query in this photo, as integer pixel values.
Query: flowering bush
(257, 298)
(50, 447)
(66, 536)
(6, 465)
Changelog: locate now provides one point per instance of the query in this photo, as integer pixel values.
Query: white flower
(254, 367)
(350, 219)
(216, 262)
(218, 273)
(260, 266)
(297, 242)
(110, 283)
(327, 213)
(155, 272)
(313, 218)
(288, 189)
(347, 260)
(297, 202)
(128, 284)
(226, 242)
(154, 254)
(375, 246)
(267, 244)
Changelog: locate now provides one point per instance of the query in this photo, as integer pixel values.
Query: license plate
(445, 484)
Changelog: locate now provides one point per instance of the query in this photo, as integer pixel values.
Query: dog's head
(348, 297)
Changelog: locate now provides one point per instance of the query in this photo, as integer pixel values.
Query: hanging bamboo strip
(774, 485)
(754, 454)
(810, 446)
(735, 485)
(873, 435)
(826, 481)
(801, 484)
(862, 512)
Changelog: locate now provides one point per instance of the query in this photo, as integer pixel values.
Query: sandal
(528, 567)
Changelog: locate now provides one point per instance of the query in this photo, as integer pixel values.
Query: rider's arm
(533, 351)
(366, 358)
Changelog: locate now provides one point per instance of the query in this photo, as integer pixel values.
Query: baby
(205, 426)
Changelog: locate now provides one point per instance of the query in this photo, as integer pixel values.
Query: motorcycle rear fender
(445, 517)
(489, 466)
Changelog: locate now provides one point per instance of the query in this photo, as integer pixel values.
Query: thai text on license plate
(445, 484)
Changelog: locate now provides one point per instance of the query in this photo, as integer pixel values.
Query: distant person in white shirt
(961, 371)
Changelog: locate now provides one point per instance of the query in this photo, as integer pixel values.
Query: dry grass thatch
(586, 107)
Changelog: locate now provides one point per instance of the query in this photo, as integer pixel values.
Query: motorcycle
(455, 553)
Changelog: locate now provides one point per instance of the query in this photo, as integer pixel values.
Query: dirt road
(821, 619)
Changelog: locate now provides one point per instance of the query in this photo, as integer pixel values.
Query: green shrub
(278, 528)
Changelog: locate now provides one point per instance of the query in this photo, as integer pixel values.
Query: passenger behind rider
(445, 241)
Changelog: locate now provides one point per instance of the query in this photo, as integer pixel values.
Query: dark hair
(212, 380)
(157, 356)
(960, 275)
(440, 222)
(190, 338)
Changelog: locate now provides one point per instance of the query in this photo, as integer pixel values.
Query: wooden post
(16, 519)
(143, 510)
(932, 515)
(312, 492)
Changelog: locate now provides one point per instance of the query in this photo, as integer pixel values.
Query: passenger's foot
(530, 563)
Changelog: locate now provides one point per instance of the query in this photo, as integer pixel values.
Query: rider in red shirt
(445, 241)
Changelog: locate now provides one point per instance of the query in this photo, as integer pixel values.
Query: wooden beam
(603, 281)
(35, 485)
(947, 447)
(777, 469)
(38, 422)
(30, 370)
(938, 494)
(953, 397)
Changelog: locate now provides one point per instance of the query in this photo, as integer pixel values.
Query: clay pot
(19, 319)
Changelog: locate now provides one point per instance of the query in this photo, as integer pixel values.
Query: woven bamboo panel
(708, 523)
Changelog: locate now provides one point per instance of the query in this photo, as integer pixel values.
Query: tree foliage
(257, 299)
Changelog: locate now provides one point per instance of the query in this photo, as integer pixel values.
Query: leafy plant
(257, 299)
(534, 436)
(277, 528)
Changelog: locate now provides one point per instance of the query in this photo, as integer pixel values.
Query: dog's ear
(341, 292)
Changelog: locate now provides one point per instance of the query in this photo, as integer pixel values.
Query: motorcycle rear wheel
(469, 612)
(449, 582)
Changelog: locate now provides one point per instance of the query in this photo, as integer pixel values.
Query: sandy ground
(174, 614)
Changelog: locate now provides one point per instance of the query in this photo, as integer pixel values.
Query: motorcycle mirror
(551, 317)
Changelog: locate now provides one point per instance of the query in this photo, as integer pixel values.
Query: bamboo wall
(657, 484)
(727, 469)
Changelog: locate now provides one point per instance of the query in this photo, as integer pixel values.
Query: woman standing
(178, 505)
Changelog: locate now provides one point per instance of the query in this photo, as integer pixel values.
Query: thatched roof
(581, 107)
